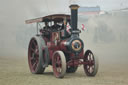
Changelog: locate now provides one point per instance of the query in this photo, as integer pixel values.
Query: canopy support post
(37, 27)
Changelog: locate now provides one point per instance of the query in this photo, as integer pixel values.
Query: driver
(56, 26)
(46, 26)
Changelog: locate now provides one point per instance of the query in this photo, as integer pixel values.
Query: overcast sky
(105, 4)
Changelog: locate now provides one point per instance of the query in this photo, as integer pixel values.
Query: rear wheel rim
(33, 55)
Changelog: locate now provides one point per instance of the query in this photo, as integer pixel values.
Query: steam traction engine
(56, 46)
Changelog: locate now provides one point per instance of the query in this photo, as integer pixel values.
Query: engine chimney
(74, 15)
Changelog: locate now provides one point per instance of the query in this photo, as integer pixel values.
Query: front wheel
(91, 66)
(59, 64)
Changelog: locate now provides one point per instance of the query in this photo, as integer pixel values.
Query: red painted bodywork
(58, 44)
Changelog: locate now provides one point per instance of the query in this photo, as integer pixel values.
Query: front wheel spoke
(90, 62)
(92, 57)
(59, 62)
(58, 58)
(93, 62)
(59, 69)
(93, 66)
(88, 67)
(89, 56)
(91, 69)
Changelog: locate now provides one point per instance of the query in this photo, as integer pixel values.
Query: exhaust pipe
(74, 17)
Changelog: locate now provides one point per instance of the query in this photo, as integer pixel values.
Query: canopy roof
(54, 17)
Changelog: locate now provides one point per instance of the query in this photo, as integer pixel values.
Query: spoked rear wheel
(59, 64)
(91, 67)
(35, 56)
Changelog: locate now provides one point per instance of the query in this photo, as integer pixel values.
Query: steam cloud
(109, 30)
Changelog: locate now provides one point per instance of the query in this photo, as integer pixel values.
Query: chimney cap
(74, 6)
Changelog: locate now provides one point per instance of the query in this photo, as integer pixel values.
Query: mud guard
(43, 46)
(46, 57)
